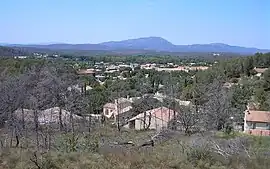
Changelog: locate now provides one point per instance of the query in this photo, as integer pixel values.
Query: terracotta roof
(123, 110)
(86, 71)
(260, 70)
(198, 67)
(162, 113)
(50, 115)
(258, 116)
(109, 105)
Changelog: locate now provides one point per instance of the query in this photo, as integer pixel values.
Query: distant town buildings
(216, 54)
(20, 57)
(86, 72)
(178, 68)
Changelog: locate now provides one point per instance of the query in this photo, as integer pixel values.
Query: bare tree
(189, 119)
(11, 101)
(142, 106)
(76, 105)
(217, 109)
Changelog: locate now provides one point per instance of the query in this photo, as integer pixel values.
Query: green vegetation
(9, 51)
(78, 142)
(174, 153)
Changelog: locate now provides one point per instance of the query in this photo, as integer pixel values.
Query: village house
(228, 85)
(160, 97)
(124, 66)
(183, 68)
(194, 68)
(117, 109)
(148, 66)
(109, 110)
(257, 122)
(156, 119)
(48, 116)
(259, 71)
(79, 88)
(86, 72)
(179, 68)
(112, 69)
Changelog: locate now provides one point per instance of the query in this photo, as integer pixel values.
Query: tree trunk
(144, 120)
(90, 123)
(85, 89)
(17, 140)
(60, 119)
(187, 131)
(174, 120)
(17, 135)
(117, 116)
(23, 120)
(11, 138)
(149, 123)
(36, 128)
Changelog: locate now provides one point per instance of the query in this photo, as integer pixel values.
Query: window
(106, 112)
(261, 125)
(250, 125)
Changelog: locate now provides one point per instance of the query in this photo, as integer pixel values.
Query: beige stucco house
(48, 116)
(156, 119)
(120, 106)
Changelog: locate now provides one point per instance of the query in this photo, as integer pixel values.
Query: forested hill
(9, 51)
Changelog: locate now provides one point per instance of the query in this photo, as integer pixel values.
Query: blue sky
(235, 22)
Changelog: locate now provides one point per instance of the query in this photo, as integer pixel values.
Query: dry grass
(167, 155)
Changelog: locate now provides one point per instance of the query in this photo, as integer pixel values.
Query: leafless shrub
(212, 147)
(189, 120)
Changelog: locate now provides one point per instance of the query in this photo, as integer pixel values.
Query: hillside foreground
(105, 148)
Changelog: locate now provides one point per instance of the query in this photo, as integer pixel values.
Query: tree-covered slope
(9, 51)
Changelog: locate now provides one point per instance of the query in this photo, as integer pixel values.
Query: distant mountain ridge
(156, 44)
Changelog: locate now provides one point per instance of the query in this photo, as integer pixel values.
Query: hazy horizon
(52, 43)
(237, 23)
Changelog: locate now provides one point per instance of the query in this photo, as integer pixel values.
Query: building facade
(155, 119)
(257, 122)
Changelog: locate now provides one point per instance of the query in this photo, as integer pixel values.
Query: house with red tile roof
(155, 119)
(198, 68)
(259, 71)
(257, 122)
(86, 72)
(118, 108)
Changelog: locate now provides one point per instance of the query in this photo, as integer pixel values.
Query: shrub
(234, 80)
